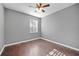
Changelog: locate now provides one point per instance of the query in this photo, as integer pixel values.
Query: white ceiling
(24, 7)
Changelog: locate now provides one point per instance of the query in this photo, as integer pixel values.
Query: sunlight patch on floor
(55, 52)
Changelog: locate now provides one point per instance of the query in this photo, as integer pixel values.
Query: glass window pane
(33, 26)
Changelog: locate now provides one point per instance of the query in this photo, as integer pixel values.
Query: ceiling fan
(40, 7)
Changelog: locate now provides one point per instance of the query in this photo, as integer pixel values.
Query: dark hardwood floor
(38, 47)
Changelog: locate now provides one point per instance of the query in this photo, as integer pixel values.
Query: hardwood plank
(38, 47)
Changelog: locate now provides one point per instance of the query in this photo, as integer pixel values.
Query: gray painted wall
(1, 26)
(62, 26)
(17, 26)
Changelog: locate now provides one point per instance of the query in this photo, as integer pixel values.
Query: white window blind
(33, 25)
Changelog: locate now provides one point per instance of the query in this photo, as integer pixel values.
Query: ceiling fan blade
(46, 5)
(40, 4)
(37, 5)
(43, 10)
(35, 10)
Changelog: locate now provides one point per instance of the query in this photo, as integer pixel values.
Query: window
(33, 25)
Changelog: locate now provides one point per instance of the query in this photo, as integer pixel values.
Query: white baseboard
(22, 41)
(37, 39)
(18, 43)
(2, 50)
(61, 44)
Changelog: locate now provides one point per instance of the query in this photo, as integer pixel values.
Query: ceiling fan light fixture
(40, 7)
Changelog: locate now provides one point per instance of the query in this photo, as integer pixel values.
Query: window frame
(33, 26)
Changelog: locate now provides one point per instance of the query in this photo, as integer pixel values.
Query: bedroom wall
(1, 26)
(17, 26)
(62, 26)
